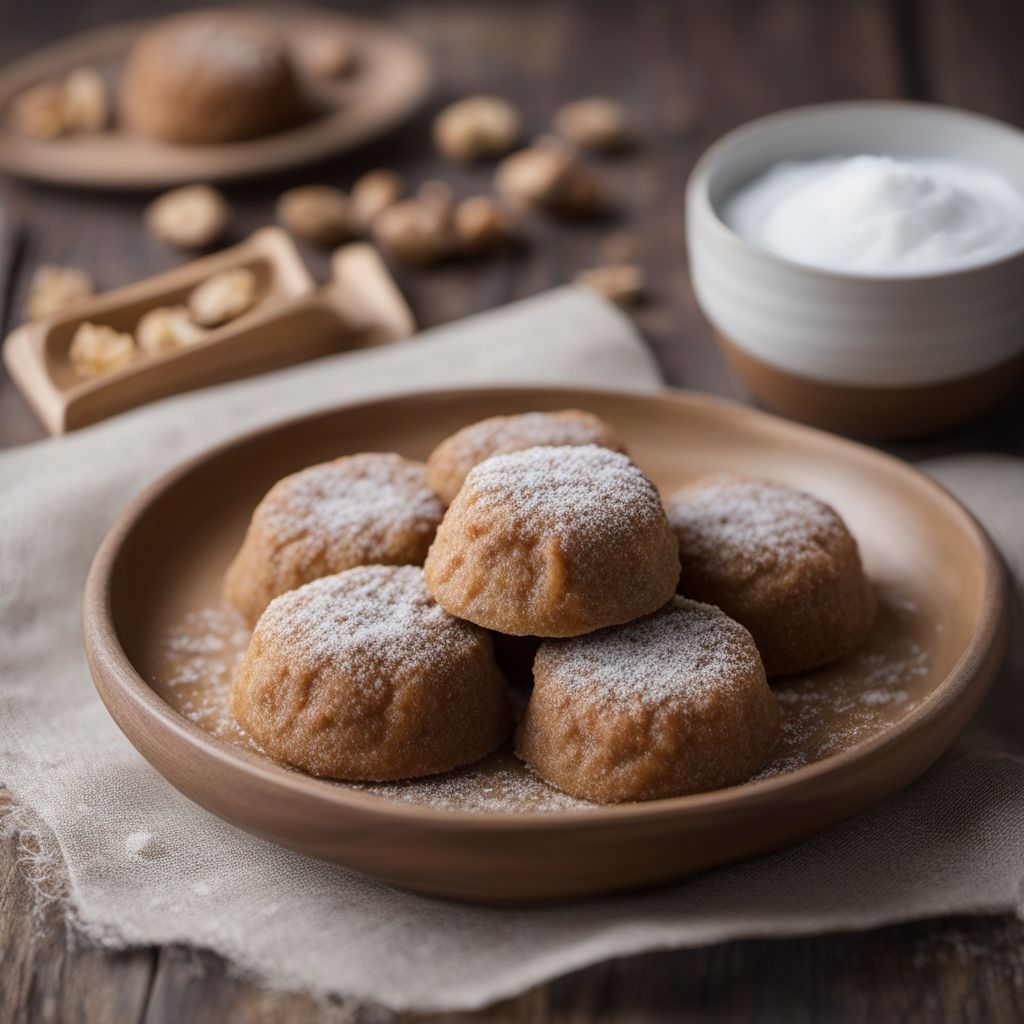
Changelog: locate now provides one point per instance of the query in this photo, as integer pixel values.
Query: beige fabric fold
(145, 866)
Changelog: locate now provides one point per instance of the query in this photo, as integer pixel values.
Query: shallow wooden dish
(169, 549)
(390, 78)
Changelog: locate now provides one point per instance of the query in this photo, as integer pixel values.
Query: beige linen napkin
(146, 866)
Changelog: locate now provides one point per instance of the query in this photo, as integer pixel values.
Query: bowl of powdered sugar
(863, 263)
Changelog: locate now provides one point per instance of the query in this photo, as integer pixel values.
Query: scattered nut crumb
(223, 297)
(316, 213)
(622, 283)
(98, 348)
(85, 106)
(192, 217)
(548, 176)
(477, 127)
(53, 288)
(38, 112)
(415, 232)
(482, 224)
(595, 123)
(373, 193)
(164, 329)
(327, 56)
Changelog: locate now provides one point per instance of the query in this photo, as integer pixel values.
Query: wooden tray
(390, 78)
(291, 321)
(166, 556)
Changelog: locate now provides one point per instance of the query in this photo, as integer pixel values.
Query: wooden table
(690, 71)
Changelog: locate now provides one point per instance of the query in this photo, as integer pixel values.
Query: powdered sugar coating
(568, 489)
(750, 526)
(554, 541)
(454, 457)
(686, 650)
(375, 618)
(779, 561)
(362, 509)
(362, 675)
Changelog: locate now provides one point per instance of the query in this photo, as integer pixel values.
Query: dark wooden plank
(50, 975)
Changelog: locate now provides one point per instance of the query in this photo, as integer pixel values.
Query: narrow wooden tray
(292, 321)
(390, 78)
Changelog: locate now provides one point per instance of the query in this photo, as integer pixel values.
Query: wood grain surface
(690, 70)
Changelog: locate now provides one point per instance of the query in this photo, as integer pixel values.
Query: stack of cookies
(551, 569)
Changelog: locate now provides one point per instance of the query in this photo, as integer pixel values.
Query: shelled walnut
(165, 329)
(373, 193)
(86, 107)
(483, 224)
(192, 217)
(318, 214)
(54, 288)
(99, 348)
(596, 123)
(327, 56)
(622, 283)
(223, 297)
(76, 103)
(548, 176)
(477, 127)
(416, 232)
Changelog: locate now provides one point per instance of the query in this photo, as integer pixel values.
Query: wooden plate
(391, 77)
(941, 637)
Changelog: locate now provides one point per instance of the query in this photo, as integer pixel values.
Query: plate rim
(965, 684)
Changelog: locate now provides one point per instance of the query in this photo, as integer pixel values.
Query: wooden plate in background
(169, 550)
(390, 78)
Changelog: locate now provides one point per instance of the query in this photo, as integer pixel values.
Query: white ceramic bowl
(870, 355)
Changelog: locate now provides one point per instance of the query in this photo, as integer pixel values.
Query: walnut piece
(373, 193)
(482, 224)
(477, 127)
(327, 56)
(86, 107)
(192, 217)
(38, 112)
(77, 103)
(416, 232)
(165, 329)
(223, 297)
(318, 214)
(99, 348)
(621, 283)
(595, 123)
(547, 176)
(53, 289)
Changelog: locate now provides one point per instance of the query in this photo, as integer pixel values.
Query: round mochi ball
(363, 676)
(777, 560)
(372, 508)
(554, 541)
(208, 77)
(454, 457)
(671, 704)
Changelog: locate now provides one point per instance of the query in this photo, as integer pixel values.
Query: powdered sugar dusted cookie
(358, 510)
(554, 541)
(454, 457)
(364, 676)
(673, 703)
(777, 560)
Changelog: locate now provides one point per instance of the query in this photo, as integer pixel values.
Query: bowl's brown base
(875, 413)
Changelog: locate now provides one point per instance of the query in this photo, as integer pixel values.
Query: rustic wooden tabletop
(690, 71)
